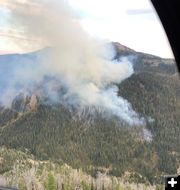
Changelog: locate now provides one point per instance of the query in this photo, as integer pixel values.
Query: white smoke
(82, 64)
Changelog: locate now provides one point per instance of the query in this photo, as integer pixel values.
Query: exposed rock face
(33, 101)
(23, 103)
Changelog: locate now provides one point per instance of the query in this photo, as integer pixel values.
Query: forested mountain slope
(95, 142)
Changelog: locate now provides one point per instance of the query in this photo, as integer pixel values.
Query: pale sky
(132, 23)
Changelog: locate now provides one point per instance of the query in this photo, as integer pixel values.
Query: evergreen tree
(51, 183)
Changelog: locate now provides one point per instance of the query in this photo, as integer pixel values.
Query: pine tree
(51, 183)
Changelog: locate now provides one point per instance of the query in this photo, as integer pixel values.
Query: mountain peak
(122, 48)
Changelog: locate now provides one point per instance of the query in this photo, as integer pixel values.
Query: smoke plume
(77, 70)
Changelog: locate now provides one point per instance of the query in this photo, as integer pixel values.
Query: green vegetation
(28, 173)
(51, 183)
(51, 132)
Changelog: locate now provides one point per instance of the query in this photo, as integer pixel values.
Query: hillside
(25, 172)
(95, 142)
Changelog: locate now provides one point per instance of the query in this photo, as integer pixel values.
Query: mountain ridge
(52, 132)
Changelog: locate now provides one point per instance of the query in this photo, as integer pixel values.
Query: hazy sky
(132, 23)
